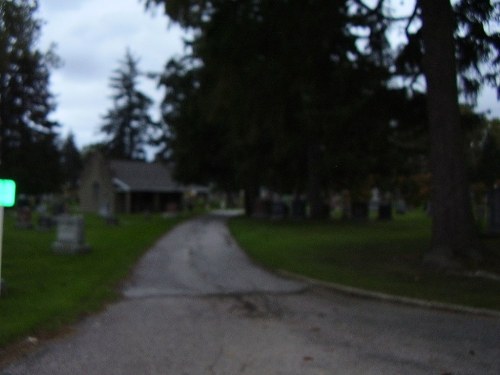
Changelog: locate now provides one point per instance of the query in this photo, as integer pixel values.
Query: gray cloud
(92, 37)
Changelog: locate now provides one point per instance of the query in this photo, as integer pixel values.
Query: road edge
(368, 294)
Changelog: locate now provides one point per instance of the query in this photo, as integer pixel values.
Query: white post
(1, 241)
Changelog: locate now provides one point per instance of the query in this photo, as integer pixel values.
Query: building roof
(143, 177)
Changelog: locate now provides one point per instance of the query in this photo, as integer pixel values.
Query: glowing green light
(7, 193)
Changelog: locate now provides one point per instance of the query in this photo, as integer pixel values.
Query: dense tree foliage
(201, 152)
(454, 40)
(303, 95)
(28, 138)
(263, 98)
(71, 162)
(128, 124)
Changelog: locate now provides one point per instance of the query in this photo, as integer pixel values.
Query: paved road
(197, 305)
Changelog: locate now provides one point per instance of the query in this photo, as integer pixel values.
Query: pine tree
(71, 162)
(449, 39)
(275, 83)
(128, 125)
(28, 138)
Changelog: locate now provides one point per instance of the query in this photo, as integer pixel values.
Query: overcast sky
(92, 37)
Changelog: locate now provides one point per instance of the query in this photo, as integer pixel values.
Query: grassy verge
(378, 256)
(47, 291)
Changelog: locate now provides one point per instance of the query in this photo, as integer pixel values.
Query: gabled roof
(143, 177)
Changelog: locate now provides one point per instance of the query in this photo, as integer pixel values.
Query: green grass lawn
(46, 290)
(378, 256)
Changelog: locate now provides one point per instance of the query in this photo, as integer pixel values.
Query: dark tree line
(30, 148)
(27, 145)
(275, 91)
(269, 88)
(298, 96)
(454, 40)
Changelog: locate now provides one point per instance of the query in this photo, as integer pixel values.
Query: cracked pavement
(197, 305)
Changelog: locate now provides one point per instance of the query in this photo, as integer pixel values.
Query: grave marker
(299, 209)
(279, 210)
(24, 218)
(70, 235)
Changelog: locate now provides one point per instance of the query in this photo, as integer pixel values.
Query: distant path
(197, 305)
(201, 258)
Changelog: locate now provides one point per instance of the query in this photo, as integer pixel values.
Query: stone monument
(70, 235)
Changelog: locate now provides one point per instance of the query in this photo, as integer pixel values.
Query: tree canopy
(128, 124)
(71, 162)
(303, 95)
(262, 97)
(28, 138)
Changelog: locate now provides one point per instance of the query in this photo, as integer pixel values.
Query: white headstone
(70, 235)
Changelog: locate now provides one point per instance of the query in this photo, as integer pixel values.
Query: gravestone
(172, 207)
(359, 211)
(279, 210)
(401, 206)
(171, 210)
(267, 207)
(70, 235)
(325, 211)
(262, 208)
(385, 211)
(346, 205)
(45, 222)
(375, 200)
(107, 215)
(24, 219)
(494, 211)
(299, 209)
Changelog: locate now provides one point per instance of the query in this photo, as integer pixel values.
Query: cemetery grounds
(380, 256)
(48, 291)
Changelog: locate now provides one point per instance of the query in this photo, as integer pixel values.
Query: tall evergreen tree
(128, 124)
(198, 144)
(452, 222)
(71, 162)
(452, 40)
(449, 40)
(28, 150)
(280, 81)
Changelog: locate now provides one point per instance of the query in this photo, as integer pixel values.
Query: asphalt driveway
(196, 305)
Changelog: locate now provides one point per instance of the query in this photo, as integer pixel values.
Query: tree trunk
(453, 234)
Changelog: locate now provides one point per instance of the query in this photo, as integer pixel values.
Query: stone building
(123, 186)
